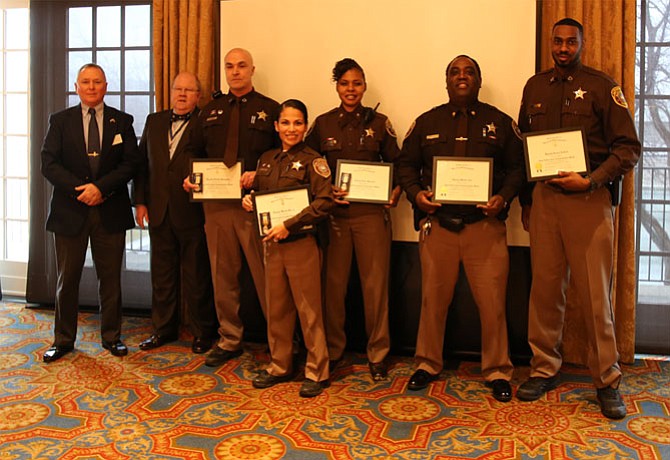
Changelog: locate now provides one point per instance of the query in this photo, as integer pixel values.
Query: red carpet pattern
(166, 404)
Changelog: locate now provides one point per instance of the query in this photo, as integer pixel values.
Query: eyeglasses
(184, 90)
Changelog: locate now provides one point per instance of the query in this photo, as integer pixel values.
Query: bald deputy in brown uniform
(292, 256)
(355, 132)
(473, 235)
(237, 126)
(571, 222)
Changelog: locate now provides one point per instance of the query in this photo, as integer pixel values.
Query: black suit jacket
(65, 164)
(159, 184)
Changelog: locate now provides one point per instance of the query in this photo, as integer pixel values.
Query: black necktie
(461, 144)
(93, 143)
(233, 140)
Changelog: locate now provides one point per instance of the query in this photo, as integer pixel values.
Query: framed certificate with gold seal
(550, 152)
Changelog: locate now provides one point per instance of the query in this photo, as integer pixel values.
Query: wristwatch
(592, 184)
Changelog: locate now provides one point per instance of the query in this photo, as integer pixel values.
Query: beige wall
(403, 45)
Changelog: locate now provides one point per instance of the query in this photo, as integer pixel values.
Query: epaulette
(598, 73)
(217, 94)
(494, 109)
(263, 96)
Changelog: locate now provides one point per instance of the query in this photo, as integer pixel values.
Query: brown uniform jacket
(490, 133)
(257, 133)
(590, 99)
(339, 134)
(298, 166)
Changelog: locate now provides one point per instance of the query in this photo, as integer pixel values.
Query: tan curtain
(184, 40)
(609, 31)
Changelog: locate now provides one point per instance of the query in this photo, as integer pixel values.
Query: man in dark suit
(89, 155)
(176, 226)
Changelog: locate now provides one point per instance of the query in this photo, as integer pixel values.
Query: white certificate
(366, 182)
(216, 180)
(550, 152)
(462, 180)
(276, 206)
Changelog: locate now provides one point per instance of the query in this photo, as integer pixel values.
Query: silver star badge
(296, 165)
(579, 94)
(262, 115)
(370, 132)
(491, 128)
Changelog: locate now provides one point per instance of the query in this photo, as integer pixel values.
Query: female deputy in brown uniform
(293, 259)
(354, 132)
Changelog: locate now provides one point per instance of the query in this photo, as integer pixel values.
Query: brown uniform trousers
(482, 248)
(293, 285)
(230, 231)
(369, 234)
(586, 248)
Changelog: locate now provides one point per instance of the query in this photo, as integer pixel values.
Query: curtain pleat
(184, 40)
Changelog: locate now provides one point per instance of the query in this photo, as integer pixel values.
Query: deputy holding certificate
(571, 222)
(354, 132)
(292, 257)
(471, 234)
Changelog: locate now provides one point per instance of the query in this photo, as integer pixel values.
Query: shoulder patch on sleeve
(516, 130)
(321, 167)
(389, 129)
(617, 96)
(411, 128)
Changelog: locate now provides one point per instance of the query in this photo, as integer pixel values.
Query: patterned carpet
(165, 404)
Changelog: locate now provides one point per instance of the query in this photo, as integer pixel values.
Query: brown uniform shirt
(487, 132)
(298, 166)
(590, 99)
(256, 134)
(339, 134)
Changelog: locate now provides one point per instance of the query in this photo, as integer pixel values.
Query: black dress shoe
(117, 348)
(156, 341)
(55, 352)
(501, 390)
(201, 345)
(218, 356)
(378, 371)
(535, 387)
(611, 403)
(266, 380)
(420, 380)
(310, 388)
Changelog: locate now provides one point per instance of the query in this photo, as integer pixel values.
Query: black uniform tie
(93, 143)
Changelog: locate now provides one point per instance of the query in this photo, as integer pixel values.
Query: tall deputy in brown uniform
(235, 126)
(355, 132)
(472, 235)
(571, 223)
(293, 259)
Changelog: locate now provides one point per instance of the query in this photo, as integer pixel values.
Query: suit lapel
(108, 131)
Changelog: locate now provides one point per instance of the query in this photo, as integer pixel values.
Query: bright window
(14, 126)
